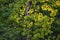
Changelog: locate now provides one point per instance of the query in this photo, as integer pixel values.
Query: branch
(28, 7)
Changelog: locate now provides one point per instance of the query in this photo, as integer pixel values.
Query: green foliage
(41, 23)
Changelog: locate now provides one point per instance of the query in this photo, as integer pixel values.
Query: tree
(29, 20)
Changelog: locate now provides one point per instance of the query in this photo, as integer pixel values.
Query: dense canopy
(29, 19)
